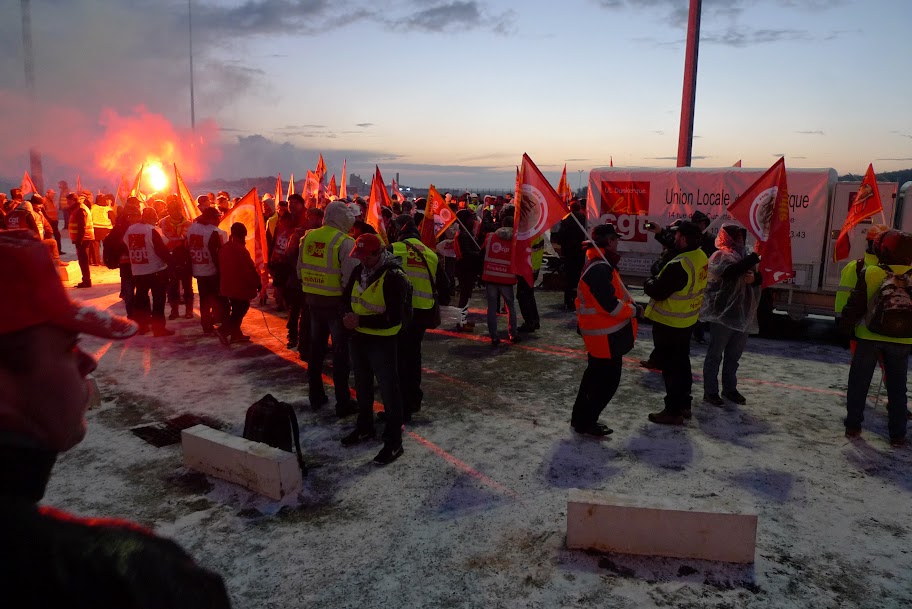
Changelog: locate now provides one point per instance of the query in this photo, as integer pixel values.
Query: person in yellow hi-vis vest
(676, 295)
(881, 321)
(849, 276)
(324, 266)
(377, 298)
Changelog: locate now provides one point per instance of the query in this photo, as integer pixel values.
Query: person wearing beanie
(52, 558)
(607, 320)
(676, 295)
(239, 283)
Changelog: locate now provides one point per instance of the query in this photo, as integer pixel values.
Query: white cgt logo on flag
(761, 212)
(533, 213)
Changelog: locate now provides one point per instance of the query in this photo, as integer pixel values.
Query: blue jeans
(895, 359)
(725, 346)
(506, 292)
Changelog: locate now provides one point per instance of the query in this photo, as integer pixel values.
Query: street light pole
(35, 165)
(190, 24)
(689, 97)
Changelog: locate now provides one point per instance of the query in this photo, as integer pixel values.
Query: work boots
(174, 312)
(189, 313)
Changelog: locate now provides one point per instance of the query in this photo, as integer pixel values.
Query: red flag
(79, 182)
(395, 190)
(321, 169)
(438, 217)
(379, 197)
(343, 188)
(611, 161)
(291, 190)
(333, 189)
(137, 181)
(737, 163)
(28, 187)
(563, 188)
(249, 212)
(123, 190)
(191, 211)
(867, 203)
(311, 186)
(763, 209)
(278, 192)
(538, 208)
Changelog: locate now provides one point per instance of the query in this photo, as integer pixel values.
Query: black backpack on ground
(274, 423)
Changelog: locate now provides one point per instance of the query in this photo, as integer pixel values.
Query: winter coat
(238, 277)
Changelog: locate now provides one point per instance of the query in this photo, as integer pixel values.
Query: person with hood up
(376, 299)
(607, 320)
(500, 278)
(325, 266)
(729, 307)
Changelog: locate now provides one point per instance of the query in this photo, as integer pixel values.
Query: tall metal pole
(688, 101)
(192, 102)
(35, 165)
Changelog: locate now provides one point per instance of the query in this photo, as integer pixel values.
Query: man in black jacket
(49, 558)
(570, 237)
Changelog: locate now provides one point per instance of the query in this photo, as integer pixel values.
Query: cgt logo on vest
(625, 204)
(497, 247)
(413, 259)
(317, 249)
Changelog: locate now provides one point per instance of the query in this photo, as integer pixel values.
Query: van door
(902, 218)
(842, 199)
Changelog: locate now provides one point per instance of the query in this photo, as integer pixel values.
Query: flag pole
(602, 254)
(468, 232)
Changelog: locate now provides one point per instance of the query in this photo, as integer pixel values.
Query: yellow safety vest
(682, 309)
(418, 273)
(874, 276)
(370, 301)
(849, 278)
(538, 253)
(321, 264)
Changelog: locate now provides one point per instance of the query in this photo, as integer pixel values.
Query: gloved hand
(754, 257)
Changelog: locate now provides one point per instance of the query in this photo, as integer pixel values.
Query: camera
(649, 225)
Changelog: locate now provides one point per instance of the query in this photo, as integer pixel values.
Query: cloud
(815, 132)
(576, 160)
(901, 134)
(364, 125)
(742, 37)
(907, 158)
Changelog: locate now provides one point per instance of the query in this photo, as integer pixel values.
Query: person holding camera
(676, 295)
(730, 310)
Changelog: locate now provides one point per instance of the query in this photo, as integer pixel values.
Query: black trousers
(600, 382)
(82, 255)
(326, 321)
(211, 305)
(672, 347)
(157, 283)
(573, 268)
(178, 278)
(409, 354)
(237, 309)
(375, 356)
(525, 297)
(467, 281)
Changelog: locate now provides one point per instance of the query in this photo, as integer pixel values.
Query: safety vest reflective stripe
(371, 301)
(418, 273)
(321, 266)
(497, 261)
(605, 331)
(682, 309)
(538, 252)
(595, 323)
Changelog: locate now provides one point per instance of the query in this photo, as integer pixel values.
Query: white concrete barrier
(614, 523)
(259, 467)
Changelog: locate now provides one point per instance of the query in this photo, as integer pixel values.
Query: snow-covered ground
(474, 513)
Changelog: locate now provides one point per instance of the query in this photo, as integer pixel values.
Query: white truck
(631, 196)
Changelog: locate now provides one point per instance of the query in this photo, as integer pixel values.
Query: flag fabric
(123, 190)
(563, 188)
(538, 208)
(867, 203)
(320, 171)
(79, 182)
(343, 187)
(249, 212)
(278, 191)
(137, 182)
(611, 161)
(191, 211)
(438, 217)
(311, 187)
(763, 209)
(28, 187)
(333, 189)
(291, 190)
(394, 189)
(737, 163)
(379, 198)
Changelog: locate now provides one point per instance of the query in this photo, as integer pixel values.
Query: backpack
(890, 311)
(113, 248)
(274, 423)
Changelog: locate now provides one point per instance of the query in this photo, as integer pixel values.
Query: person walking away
(298, 324)
(324, 266)
(51, 558)
(499, 278)
(674, 307)
(469, 260)
(52, 211)
(570, 238)
(149, 263)
(174, 227)
(130, 216)
(607, 320)
(82, 234)
(377, 296)
(525, 293)
(282, 265)
(430, 288)
(879, 311)
(204, 241)
(239, 283)
(103, 224)
(729, 309)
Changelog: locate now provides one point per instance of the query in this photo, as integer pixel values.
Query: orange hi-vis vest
(595, 323)
(498, 263)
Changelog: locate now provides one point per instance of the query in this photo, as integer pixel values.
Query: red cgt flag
(763, 209)
(320, 171)
(28, 187)
(538, 208)
(379, 197)
(333, 189)
(437, 218)
(563, 188)
(343, 187)
(291, 189)
(191, 211)
(867, 203)
(249, 212)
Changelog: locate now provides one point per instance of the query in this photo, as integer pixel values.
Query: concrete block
(259, 467)
(614, 523)
(94, 393)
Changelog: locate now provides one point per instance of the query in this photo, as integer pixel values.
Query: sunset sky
(454, 92)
